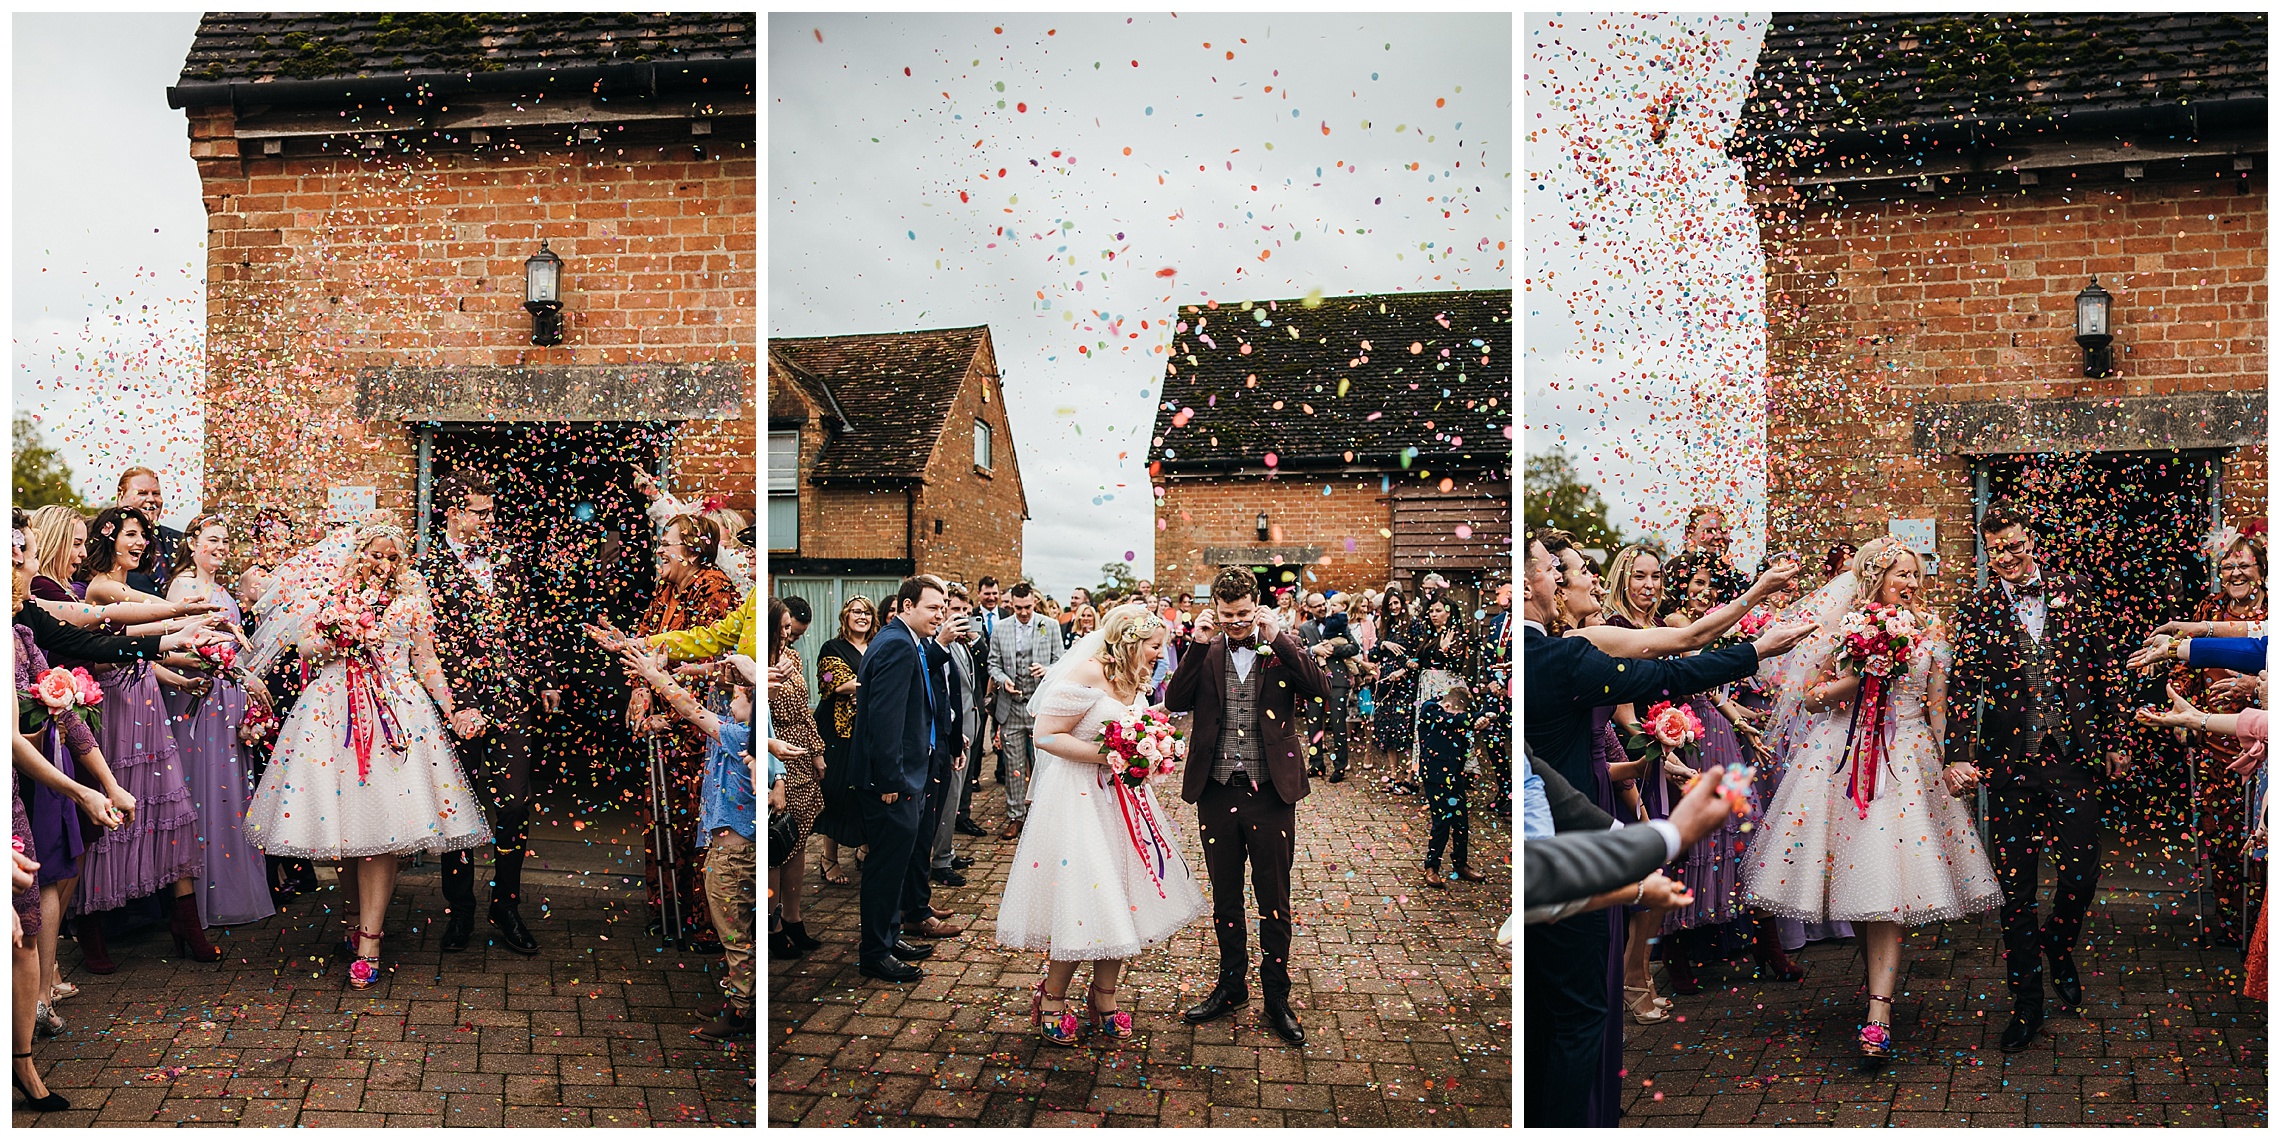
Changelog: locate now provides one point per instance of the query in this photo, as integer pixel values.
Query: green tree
(42, 478)
(1557, 496)
(1116, 576)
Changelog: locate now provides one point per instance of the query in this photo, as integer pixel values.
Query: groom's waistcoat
(1239, 730)
(2035, 671)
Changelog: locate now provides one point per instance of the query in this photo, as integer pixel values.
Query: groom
(2040, 652)
(480, 625)
(1246, 772)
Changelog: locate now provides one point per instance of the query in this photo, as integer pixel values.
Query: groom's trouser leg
(1270, 838)
(1564, 1006)
(1019, 751)
(2073, 823)
(2018, 816)
(1224, 856)
(507, 759)
(893, 831)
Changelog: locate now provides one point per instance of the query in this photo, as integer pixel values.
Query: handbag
(783, 835)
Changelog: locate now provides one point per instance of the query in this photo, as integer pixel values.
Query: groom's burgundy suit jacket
(1199, 686)
(2087, 687)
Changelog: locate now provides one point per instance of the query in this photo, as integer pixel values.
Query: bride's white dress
(1078, 889)
(311, 803)
(1915, 859)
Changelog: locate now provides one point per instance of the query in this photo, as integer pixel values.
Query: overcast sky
(1645, 308)
(110, 267)
(1251, 156)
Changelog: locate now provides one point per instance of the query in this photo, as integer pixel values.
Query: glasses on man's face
(2015, 547)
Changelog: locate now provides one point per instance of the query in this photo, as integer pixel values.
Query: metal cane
(661, 842)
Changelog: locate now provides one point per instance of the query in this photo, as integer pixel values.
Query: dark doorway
(570, 517)
(2132, 526)
(1275, 579)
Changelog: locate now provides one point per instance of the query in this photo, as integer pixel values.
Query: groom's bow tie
(2032, 589)
(1251, 642)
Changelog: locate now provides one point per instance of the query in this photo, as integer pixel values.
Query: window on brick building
(783, 490)
(982, 444)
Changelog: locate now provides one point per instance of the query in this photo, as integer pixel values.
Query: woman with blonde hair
(1865, 826)
(836, 665)
(1098, 876)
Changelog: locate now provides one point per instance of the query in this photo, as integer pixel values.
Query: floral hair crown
(712, 503)
(1874, 568)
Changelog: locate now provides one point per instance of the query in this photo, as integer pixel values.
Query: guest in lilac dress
(235, 886)
(160, 848)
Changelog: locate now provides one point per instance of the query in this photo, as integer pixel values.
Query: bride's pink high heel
(1115, 1023)
(1059, 1028)
(363, 973)
(1876, 1036)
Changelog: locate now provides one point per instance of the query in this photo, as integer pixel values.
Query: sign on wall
(1921, 536)
(350, 502)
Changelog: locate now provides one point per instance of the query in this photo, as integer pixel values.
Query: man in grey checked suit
(965, 631)
(1023, 647)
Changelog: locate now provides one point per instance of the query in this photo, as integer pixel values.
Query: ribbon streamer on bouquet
(1155, 853)
(1866, 752)
(368, 713)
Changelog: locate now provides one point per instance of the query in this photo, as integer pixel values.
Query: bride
(1098, 875)
(1890, 851)
(363, 771)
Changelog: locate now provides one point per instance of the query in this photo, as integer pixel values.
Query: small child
(728, 830)
(1444, 745)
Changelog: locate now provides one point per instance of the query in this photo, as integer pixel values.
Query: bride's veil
(1791, 674)
(286, 613)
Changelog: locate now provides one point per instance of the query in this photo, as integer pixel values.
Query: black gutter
(649, 80)
(2184, 118)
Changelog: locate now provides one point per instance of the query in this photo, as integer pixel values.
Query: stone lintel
(572, 393)
(2185, 421)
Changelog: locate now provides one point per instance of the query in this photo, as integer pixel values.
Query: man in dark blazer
(2040, 652)
(482, 624)
(905, 730)
(1245, 680)
(139, 488)
(1566, 987)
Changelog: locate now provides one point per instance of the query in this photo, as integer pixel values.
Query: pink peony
(56, 690)
(1673, 725)
(90, 693)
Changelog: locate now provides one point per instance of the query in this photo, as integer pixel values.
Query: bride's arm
(425, 665)
(1053, 736)
(1830, 690)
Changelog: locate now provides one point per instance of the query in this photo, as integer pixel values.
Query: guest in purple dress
(235, 886)
(160, 847)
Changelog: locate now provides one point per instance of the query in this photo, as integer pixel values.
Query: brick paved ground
(592, 1031)
(1406, 1002)
(2165, 1038)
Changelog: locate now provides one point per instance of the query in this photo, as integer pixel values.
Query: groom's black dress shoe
(456, 931)
(2026, 1017)
(2064, 977)
(1226, 997)
(890, 970)
(910, 951)
(512, 933)
(1280, 1019)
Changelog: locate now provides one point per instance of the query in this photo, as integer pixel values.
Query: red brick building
(889, 454)
(374, 185)
(1933, 195)
(1343, 441)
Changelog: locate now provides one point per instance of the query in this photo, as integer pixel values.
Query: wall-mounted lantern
(542, 295)
(2094, 330)
(1262, 526)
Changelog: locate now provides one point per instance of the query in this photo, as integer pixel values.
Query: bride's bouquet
(350, 624)
(1142, 746)
(1139, 746)
(1873, 641)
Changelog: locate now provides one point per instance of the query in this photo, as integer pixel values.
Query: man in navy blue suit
(905, 727)
(1566, 990)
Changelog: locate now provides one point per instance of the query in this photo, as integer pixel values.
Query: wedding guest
(2251, 725)
(1079, 599)
(1444, 744)
(731, 557)
(208, 727)
(274, 541)
(1447, 654)
(139, 488)
(959, 635)
(1023, 649)
(837, 666)
(1708, 541)
(691, 592)
(904, 736)
(30, 1008)
(160, 847)
(2239, 597)
(802, 786)
(1394, 723)
(1083, 619)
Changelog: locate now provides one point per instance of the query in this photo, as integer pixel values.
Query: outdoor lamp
(542, 295)
(1262, 526)
(2093, 308)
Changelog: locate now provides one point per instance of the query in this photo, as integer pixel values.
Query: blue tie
(926, 682)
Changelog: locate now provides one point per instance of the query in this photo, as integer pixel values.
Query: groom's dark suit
(2053, 707)
(1242, 820)
(904, 738)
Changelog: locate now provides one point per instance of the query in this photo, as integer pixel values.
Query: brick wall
(1195, 513)
(320, 267)
(981, 513)
(1875, 309)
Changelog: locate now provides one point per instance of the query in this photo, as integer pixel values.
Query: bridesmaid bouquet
(1143, 746)
(59, 691)
(220, 654)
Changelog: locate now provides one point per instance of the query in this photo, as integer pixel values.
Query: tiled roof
(895, 390)
(284, 46)
(1829, 76)
(1371, 375)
